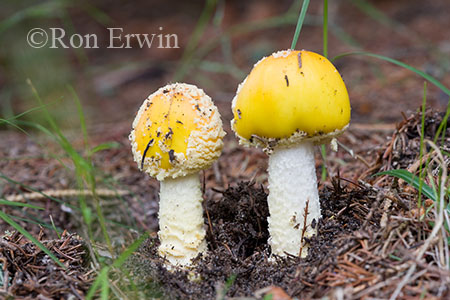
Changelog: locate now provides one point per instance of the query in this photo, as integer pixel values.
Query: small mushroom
(178, 132)
(290, 101)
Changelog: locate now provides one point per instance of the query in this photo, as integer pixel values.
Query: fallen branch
(64, 193)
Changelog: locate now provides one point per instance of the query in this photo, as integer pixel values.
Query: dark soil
(239, 253)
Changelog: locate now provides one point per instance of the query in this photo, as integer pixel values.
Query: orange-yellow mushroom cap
(177, 131)
(288, 97)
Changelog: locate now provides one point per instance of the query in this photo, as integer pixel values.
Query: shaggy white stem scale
(181, 230)
(292, 183)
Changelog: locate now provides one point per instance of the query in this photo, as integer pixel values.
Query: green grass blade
(422, 137)
(285, 19)
(370, 10)
(230, 281)
(413, 180)
(83, 167)
(48, 9)
(323, 152)
(195, 39)
(430, 78)
(12, 124)
(81, 164)
(227, 286)
(104, 295)
(325, 28)
(65, 144)
(301, 19)
(80, 114)
(33, 220)
(224, 68)
(97, 14)
(103, 276)
(54, 227)
(200, 26)
(104, 146)
(38, 127)
(374, 13)
(41, 103)
(133, 247)
(268, 297)
(12, 203)
(9, 120)
(443, 126)
(101, 220)
(344, 36)
(25, 233)
(100, 278)
(47, 132)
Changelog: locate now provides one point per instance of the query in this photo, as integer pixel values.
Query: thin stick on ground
(214, 243)
(65, 193)
(305, 217)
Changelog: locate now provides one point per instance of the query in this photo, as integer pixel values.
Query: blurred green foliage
(49, 69)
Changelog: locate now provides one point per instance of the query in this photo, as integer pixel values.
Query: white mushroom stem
(292, 184)
(181, 230)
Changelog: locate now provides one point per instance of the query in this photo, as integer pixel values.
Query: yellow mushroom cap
(288, 97)
(177, 131)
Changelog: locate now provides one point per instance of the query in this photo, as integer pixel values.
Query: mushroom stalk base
(292, 185)
(181, 231)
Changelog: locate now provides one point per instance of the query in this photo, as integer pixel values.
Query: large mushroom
(289, 102)
(178, 132)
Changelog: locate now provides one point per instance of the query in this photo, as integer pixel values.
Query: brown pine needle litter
(28, 273)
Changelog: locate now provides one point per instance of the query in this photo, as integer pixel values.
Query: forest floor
(372, 242)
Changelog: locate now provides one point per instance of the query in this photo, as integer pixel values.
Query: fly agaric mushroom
(178, 132)
(290, 101)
